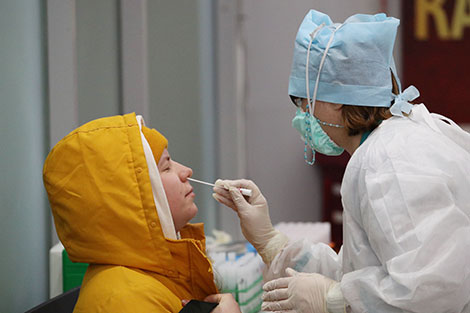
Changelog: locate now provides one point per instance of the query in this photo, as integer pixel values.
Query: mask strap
(312, 37)
(394, 72)
(311, 102)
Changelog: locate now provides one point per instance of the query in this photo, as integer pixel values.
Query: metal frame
(62, 63)
(134, 57)
(62, 71)
(230, 103)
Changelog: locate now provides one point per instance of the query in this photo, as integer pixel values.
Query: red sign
(436, 55)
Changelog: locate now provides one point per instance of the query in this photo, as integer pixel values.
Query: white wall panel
(24, 217)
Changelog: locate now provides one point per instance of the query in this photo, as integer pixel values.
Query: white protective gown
(406, 226)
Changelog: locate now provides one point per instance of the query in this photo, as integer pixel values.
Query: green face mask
(314, 136)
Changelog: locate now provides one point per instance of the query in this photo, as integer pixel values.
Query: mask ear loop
(312, 37)
(311, 102)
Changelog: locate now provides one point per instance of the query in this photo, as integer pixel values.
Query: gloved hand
(303, 292)
(254, 216)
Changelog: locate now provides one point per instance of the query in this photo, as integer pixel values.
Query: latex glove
(227, 303)
(301, 292)
(254, 216)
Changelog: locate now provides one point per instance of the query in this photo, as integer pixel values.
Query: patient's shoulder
(108, 288)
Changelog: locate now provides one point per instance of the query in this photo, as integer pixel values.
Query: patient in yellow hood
(174, 177)
(123, 205)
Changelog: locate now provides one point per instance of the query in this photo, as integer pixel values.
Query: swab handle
(246, 192)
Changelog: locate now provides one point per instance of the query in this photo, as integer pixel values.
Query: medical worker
(405, 191)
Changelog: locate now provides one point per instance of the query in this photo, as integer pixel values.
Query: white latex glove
(302, 292)
(254, 216)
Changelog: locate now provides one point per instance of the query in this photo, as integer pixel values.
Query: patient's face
(178, 191)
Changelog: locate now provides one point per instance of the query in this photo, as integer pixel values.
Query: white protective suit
(406, 226)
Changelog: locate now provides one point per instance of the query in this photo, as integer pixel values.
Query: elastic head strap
(311, 102)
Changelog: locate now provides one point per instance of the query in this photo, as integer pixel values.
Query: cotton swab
(244, 191)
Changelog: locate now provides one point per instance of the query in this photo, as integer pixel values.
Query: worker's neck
(351, 143)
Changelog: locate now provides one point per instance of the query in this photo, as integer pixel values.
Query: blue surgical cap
(358, 64)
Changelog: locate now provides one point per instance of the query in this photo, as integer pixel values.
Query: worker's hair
(359, 119)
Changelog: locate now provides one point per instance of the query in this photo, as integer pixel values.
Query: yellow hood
(100, 192)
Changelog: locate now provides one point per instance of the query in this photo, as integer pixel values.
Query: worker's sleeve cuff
(273, 247)
(334, 300)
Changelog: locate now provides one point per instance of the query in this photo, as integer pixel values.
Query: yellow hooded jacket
(100, 193)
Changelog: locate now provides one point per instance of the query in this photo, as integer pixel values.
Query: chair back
(63, 303)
